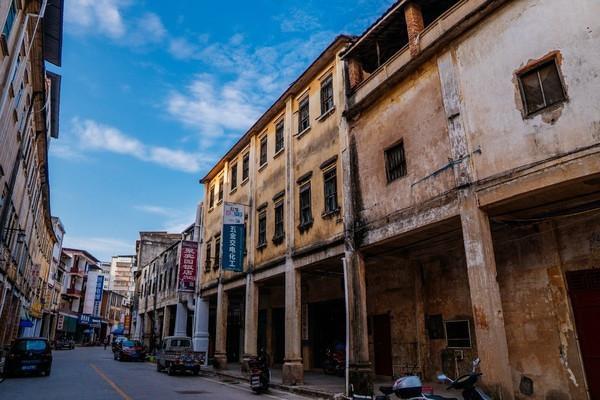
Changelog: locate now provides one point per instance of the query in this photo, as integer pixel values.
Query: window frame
(403, 164)
(278, 222)
(303, 104)
(11, 17)
(217, 257)
(305, 222)
(263, 158)
(211, 197)
(245, 167)
(221, 189)
(233, 176)
(208, 255)
(536, 68)
(470, 338)
(261, 229)
(327, 103)
(334, 195)
(279, 136)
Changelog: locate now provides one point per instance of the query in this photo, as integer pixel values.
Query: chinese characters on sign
(232, 247)
(187, 266)
(98, 294)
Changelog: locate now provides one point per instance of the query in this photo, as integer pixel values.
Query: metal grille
(262, 229)
(303, 116)
(395, 162)
(233, 176)
(326, 95)
(588, 279)
(330, 190)
(263, 150)
(279, 137)
(245, 166)
(279, 221)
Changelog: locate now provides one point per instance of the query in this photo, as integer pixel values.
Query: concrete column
(139, 331)
(414, 25)
(200, 339)
(293, 369)
(492, 346)
(360, 372)
(181, 317)
(422, 338)
(250, 320)
(166, 322)
(221, 331)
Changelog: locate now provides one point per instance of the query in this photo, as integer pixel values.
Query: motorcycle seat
(386, 389)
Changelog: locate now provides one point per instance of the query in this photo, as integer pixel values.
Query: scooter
(467, 383)
(408, 387)
(260, 374)
(334, 363)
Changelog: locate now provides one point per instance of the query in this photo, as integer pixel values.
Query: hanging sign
(188, 262)
(232, 243)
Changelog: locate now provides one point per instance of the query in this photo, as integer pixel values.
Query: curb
(300, 390)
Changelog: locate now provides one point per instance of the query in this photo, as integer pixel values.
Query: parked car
(29, 355)
(129, 350)
(116, 341)
(176, 355)
(64, 344)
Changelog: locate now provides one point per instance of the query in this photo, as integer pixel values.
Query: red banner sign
(188, 265)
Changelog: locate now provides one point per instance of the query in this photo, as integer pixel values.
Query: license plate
(28, 367)
(255, 381)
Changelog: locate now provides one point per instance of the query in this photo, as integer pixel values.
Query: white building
(121, 275)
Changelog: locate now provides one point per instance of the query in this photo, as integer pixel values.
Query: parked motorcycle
(260, 374)
(467, 383)
(334, 362)
(410, 387)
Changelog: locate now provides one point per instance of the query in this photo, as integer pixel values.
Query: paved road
(92, 374)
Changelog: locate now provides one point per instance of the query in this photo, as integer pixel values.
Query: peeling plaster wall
(531, 262)
(412, 112)
(487, 59)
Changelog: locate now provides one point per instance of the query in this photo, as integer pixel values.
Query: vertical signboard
(188, 262)
(232, 244)
(98, 294)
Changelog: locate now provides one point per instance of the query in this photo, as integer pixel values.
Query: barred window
(541, 87)
(263, 150)
(233, 176)
(305, 205)
(458, 333)
(246, 166)
(208, 262)
(262, 228)
(330, 190)
(395, 162)
(211, 202)
(221, 189)
(303, 115)
(279, 136)
(279, 228)
(326, 94)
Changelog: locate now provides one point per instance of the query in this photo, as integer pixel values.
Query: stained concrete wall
(411, 112)
(487, 59)
(541, 334)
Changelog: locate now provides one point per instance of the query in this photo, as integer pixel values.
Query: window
(263, 150)
(330, 190)
(541, 87)
(211, 201)
(208, 260)
(279, 228)
(221, 189)
(303, 116)
(217, 253)
(278, 136)
(305, 207)
(458, 333)
(327, 95)
(233, 176)
(245, 166)
(395, 162)
(262, 229)
(10, 20)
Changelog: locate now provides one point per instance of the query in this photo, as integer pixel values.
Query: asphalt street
(92, 374)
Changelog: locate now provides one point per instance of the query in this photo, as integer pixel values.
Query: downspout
(346, 303)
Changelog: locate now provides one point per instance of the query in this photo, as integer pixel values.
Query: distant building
(121, 276)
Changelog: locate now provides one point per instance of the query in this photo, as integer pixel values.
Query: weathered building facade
(286, 173)
(473, 161)
(29, 102)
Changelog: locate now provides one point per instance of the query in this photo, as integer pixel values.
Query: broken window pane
(541, 87)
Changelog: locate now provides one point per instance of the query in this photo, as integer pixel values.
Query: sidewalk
(316, 384)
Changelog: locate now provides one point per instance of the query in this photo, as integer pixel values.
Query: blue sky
(154, 92)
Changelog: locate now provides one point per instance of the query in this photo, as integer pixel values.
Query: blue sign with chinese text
(232, 242)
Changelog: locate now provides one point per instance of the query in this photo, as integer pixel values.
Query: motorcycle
(410, 387)
(260, 374)
(467, 383)
(334, 362)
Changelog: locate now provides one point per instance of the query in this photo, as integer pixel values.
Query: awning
(53, 31)
(55, 80)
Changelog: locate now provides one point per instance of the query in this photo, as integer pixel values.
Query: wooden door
(382, 343)
(584, 290)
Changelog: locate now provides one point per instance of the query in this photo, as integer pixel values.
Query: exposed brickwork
(415, 25)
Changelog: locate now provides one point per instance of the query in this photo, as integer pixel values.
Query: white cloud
(175, 220)
(298, 20)
(92, 135)
(106, 18)
(182, 49)
(157, 210)
(100, 247)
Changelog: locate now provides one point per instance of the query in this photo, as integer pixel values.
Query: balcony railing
(72, 292)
